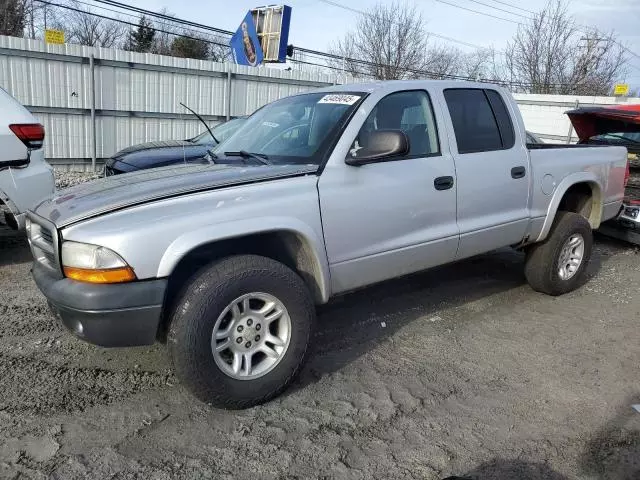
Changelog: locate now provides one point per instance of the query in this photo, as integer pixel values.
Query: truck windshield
(221, 132)
(294, 129)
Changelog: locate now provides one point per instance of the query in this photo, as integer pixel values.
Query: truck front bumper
(119, 315)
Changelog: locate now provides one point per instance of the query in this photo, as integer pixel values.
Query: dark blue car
(170, 152)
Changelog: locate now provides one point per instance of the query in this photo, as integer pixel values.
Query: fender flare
(566, 183)
(191, 240)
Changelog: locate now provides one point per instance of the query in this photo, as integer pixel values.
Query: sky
(316, 24)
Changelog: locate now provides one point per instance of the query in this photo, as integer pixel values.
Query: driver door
(396, 216)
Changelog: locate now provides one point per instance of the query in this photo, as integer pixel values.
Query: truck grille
(46, 235)
(43, 240)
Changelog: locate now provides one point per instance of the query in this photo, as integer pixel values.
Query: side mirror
(381, 145)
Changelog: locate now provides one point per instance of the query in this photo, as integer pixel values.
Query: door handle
(443, 183)
(518, 172)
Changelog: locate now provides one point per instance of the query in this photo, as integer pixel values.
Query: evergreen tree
(141, 40)
(187, 47)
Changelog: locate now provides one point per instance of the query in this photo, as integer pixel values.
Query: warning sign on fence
(621, 89)
(54, 36)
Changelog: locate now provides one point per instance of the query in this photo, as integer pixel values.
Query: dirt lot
(462, 370)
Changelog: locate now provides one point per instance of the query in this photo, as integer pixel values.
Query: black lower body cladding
(119, 315)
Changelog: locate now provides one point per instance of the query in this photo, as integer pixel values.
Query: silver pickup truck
(315, 195)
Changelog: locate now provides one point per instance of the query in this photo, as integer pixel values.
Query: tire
(543, 260)
(199, 309)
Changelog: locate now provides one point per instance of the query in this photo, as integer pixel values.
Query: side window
(408, 111)
(473, 120)
(504, 119)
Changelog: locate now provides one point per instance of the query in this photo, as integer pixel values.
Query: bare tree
(82, 27)
(391, 38)
(167, 31)
(441, 61)
(219, 50)
(478, 65)
(552, 55)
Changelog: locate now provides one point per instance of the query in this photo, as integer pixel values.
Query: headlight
(94, 264)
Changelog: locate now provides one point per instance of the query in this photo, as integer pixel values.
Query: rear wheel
(557, 265)
(240, 331)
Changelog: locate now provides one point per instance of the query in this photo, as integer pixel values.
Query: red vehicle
(616, 125)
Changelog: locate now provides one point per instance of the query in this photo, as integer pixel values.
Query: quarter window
(503, 118)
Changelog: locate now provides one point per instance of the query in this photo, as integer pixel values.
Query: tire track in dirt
(36, 387)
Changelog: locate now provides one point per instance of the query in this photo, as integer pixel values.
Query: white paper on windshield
(340, 99)
(270, 124)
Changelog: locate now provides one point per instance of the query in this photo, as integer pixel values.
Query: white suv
(26, 179)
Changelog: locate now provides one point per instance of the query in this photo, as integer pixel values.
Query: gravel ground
(458, 371)
(69, 179)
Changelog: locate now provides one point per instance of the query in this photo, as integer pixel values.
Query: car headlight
(94, 264)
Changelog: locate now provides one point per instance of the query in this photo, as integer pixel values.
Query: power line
(129, 23)
(583, 27)
(331, 67)
(352, 61)
(500, 9)
(478, 12)
(163, 16)
(106, 9)
(437, 35)
(514, 6)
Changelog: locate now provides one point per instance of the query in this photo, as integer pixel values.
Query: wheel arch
(579, 193)
(289, 241)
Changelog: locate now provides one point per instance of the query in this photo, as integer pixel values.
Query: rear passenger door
(492, 168)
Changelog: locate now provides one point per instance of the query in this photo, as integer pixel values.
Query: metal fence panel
(138, 95)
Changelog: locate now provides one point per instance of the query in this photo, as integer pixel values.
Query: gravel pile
(69, 179)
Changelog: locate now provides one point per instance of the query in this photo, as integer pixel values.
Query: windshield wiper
(260, 157)
(203, 122)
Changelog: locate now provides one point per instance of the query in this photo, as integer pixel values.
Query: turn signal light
(112, 275)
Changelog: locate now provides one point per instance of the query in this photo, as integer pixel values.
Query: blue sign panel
(245, 44)
(284, 34)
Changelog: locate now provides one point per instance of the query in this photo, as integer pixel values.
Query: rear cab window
(480, 119)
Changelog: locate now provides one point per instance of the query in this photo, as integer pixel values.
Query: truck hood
(157, 154)
(115, 193)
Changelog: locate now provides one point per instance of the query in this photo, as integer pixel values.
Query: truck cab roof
(395, 85)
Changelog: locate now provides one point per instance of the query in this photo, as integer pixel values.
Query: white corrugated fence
(138, 95)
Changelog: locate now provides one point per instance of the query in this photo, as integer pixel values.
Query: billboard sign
(245, 44)
(272, 26)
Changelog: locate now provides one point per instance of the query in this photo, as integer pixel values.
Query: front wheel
(240, 331)
(557, 265)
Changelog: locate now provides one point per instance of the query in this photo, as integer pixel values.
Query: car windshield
(630, 137)
(221, 132)
(294, 129)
